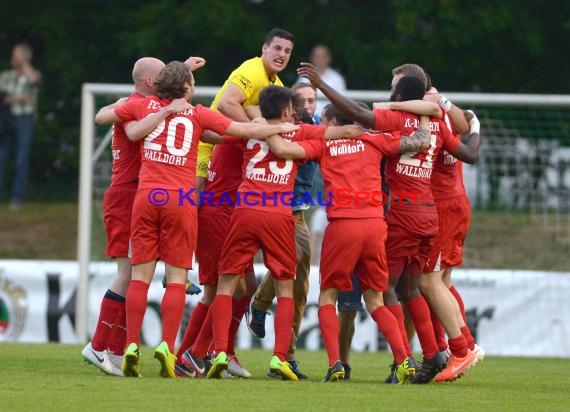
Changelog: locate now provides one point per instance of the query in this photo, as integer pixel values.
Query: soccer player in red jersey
(262, 219)
(164, 212)
(412, 220)
(354, 239)
(109, 339)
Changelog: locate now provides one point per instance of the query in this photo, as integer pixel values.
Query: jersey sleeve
(387, 143)
(132, 110)
(212, 120)
(310, 132)
(388, 120)
(246, 77)
(314, 149)
(450, 141)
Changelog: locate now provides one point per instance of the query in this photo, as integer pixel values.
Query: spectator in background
(19, 87)
(321, 58)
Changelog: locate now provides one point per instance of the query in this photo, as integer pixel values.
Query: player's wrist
(445, 103)
(474, 124)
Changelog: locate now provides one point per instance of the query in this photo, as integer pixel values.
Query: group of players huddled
(244, 154)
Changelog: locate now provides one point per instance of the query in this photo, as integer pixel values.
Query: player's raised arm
(259, 131)
(140, 129)
(346, 106)
(194, 63)
(284, 149)
(468, 149)
(106, 115)
(458, 119)
(231, 104)
(421, 107)
(349, 131)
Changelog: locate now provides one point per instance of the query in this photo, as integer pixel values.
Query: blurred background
(522, 184)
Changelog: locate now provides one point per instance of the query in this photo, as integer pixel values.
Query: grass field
(54, 378)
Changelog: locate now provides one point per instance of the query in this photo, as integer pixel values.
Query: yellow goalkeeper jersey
(250, 77)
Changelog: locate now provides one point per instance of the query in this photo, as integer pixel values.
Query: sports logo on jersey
(13, 309)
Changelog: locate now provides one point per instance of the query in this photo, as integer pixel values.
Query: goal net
(520, 188)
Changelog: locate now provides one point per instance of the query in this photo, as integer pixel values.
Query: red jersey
(409, 174)
(224, 176)
(169, 152)
(351, 171)
(268, 180)
(126, 154)
(447, 177)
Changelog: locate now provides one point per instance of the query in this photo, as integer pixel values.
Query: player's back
(224, 176)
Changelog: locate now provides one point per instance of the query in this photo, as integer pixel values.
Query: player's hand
(178, 105)
(289, 127)
(474, 125)
(195, 63)
(310, 72)
(432, 97)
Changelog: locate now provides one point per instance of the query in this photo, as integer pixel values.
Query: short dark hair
(331, 112)
(302, 85)
(170, 82)
(411, 69)
(273, 100)
(283, 34)
(408, 88)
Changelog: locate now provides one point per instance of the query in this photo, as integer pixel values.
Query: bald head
(144, 73)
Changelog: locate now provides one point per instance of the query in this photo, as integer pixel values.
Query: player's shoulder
(250, 67)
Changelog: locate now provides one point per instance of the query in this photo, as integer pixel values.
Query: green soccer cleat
(219, 365)
(404, 372)
(167, 360)
(283, 369)
(335, 373)
(131, 361)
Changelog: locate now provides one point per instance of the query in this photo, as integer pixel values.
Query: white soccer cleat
(235, 368)
(99, 359)
(116, 363)
(479, 352)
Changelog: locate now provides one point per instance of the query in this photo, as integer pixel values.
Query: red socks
(283, 325)
(194, 325)
(204, 339)
(438, 331)
(458, 346)
(239, 307)
(419, 311)
(330, 330)
(110, 315)
(398, 313)
(465, 330)
(388, 326)
(118, 336)
(172, 309)
(222, 318)
(136, 307)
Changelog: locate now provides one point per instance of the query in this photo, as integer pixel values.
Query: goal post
(90, 155)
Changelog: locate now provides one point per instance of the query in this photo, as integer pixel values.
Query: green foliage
(501, 46)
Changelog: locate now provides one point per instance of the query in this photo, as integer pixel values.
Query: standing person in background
(321, 58)
(20, 85)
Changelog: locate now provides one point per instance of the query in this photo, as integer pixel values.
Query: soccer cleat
(219, 365)
(167, 360)
(99, 359)
(255, 320)
(283, 369)
(131, 361)
(295, 368)
(116, 363)
(390, 377)
(457, 367)
(479, 352)
(347, 370)
(446, 354)
(236, 369)
(404, 372)
(335, 373)
(194, 364)
(182, 371)
(429, 369)
(191, 288)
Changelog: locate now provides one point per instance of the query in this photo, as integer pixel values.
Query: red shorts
(454, 220)
(411, 234)
(164, 232)
(117, 210)
(251, 230)
(354, 246)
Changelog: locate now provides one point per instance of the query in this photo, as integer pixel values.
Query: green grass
(53, 377)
